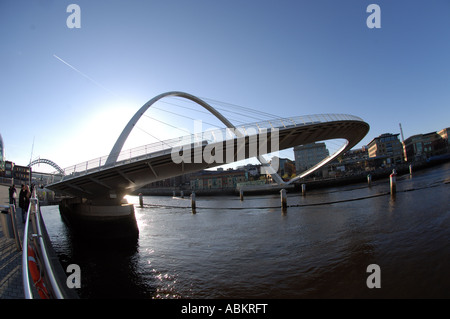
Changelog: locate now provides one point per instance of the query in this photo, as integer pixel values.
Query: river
(320, 248)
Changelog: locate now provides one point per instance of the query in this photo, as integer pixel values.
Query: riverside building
(386, 147)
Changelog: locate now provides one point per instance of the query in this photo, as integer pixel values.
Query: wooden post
(283, 200)
(369, 180)
(193, 206)
(303, 189)
(241, 194)
(393, 182)
(141, 200)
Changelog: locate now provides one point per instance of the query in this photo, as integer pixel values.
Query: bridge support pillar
(105, 219)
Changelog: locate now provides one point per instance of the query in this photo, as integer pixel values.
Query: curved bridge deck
(149, 163)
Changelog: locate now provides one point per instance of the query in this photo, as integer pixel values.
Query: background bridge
(48, 162)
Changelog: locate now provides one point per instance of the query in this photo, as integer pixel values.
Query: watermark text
(227, 146)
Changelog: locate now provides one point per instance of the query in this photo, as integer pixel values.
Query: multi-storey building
(22, 173)
(217, 179)
(444, 134)
(386, 147)
(309, 155)
(286, 167)
(19, 173)
(422, 146)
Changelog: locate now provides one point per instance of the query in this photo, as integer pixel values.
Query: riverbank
(310, 183)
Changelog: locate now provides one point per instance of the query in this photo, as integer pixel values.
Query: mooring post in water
(410, 169)
(303, 189)
(393, 182)
(369, 179)
(193, 206)
(141, 200)
(182, 194)
(173, 194)
(283, 200)
(241, 194)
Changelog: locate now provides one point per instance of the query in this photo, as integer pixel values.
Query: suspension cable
(193, 109)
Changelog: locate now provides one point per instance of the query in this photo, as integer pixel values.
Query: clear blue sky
(283, 57)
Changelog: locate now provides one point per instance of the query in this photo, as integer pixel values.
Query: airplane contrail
(86, 76)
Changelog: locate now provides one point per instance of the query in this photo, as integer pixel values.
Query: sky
(67, 93)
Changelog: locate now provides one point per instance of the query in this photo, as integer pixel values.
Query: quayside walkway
(11, 286)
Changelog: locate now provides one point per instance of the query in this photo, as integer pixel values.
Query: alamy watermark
(374, 19)
(227, 146)
(74, 19)
(374, 279)
(74, 279)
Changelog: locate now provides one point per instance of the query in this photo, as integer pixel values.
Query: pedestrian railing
(38, 274)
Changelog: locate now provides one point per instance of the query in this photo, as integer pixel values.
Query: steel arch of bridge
(114, 154)
(117, 148)
(48, 162)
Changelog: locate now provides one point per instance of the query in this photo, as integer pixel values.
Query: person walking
(12, 195)
(24, 200)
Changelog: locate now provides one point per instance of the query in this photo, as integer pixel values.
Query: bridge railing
(218, 135)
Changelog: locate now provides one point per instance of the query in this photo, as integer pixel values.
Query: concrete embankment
(4, 194)
(10, 258)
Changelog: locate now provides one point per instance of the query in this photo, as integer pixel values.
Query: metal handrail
(43, 246)
(34, 216)
(25, 276)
